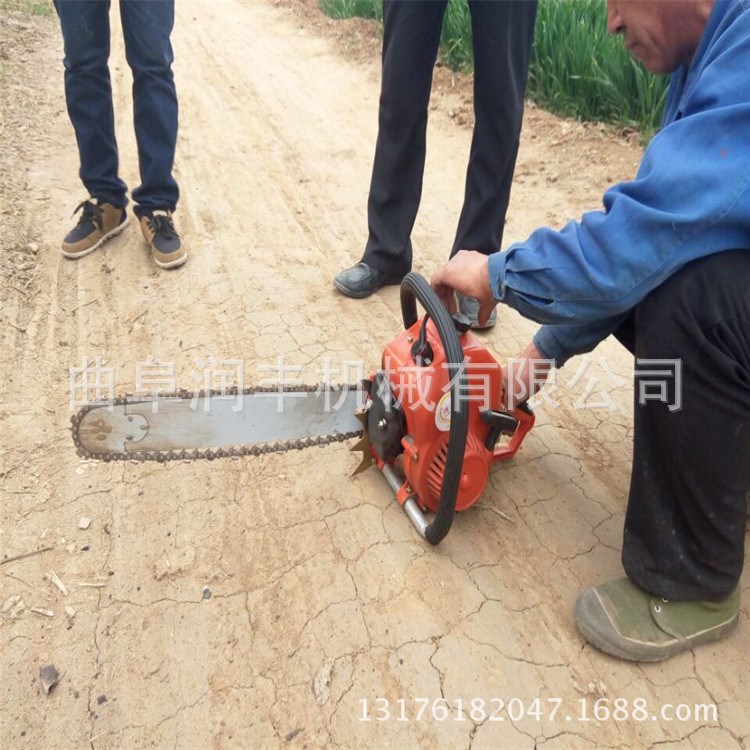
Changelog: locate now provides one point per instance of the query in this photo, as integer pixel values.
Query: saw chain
(254, 449)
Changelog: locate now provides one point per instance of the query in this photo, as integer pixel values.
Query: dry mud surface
(276, 601)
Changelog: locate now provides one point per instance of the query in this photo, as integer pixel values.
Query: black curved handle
(415, 287)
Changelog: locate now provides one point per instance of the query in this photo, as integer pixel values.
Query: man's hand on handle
(466, 272)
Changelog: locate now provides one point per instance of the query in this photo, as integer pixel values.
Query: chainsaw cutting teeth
(363, 444)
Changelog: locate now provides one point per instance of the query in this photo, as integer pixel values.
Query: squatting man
(665, 268)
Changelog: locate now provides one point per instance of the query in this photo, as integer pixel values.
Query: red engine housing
(424, 395)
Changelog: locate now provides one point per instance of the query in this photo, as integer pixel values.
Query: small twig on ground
(25, 554)
(5, 472)
(43, 612)
(93, 739)
(136, 318)
(20, 291)
(26, 583)
(497, 512)
(85, 304)
(53, 578)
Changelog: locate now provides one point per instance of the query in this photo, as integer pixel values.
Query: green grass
(40, 9)
(577, 69)
(30, 7)
(353, 8)
(455, 41)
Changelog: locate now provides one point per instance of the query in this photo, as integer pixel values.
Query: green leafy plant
(32, 7)
(577, 68)
(353, 8)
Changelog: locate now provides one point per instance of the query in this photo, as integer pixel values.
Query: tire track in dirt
(277, 177)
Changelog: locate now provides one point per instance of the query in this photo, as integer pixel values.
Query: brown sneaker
(96, 225)
(166, 248)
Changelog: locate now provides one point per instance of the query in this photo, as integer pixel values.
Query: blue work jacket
(690, 198)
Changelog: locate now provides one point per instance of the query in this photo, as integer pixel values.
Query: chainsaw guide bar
(186, 426)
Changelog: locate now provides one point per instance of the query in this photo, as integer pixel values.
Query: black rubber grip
(415, 287)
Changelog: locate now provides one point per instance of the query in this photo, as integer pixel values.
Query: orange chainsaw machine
(433, 422)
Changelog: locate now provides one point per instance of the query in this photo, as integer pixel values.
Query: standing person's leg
(88, 94)
(411, 37)
(147, 26)
(502, 33)
(683, 545)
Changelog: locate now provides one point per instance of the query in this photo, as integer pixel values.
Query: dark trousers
(685, 522)
(502, 32)
(147, 25)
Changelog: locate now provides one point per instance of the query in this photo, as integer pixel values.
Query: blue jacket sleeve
(690, 198)
(559, 342)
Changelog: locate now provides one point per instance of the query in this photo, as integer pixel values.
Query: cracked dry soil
(275, 601)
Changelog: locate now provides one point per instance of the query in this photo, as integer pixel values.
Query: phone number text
(479, 710)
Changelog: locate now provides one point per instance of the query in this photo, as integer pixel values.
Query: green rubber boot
(625, 621)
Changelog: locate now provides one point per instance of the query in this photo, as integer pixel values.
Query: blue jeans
(147, 25)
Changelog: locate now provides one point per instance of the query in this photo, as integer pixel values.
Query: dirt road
(275, 601)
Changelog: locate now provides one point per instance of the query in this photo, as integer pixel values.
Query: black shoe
(362, 280)
(470, 308)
